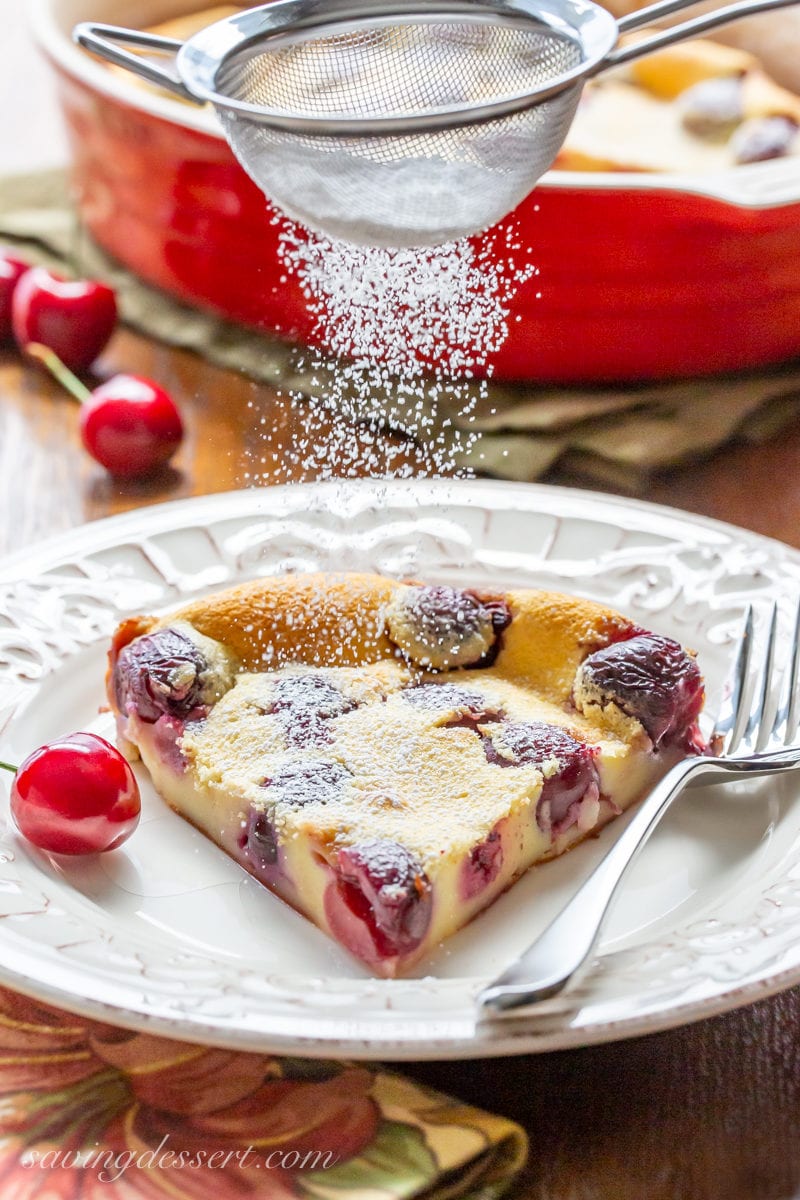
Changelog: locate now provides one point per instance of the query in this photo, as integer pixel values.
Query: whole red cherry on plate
(11, 271)
(75, 795)
(74, 318)
(129, 424)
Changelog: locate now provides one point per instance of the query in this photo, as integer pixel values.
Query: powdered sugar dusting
(408, 329)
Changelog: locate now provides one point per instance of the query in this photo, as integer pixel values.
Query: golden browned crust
(549, 636)
(326, 620)
(640, 119)
(338, 620)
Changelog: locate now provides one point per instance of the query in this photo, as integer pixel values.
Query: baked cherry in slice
(452, 706)
(159, 673)
(445, 695)
(764, 137)
(75, 795)
(483, 865)
(568, 766)
(304, 703)
(380, 905)
(648, 677)
(442, 627)
(294, 785)
(259, 841)
(297, 784)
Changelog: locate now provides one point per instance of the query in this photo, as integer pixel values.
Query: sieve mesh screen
(422, 187)
(388, 69)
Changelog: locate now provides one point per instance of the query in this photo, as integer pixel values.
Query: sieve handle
(677, 33)
(104, 40)
(652, 12)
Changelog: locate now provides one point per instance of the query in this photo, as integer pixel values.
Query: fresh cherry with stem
(74, 317)
(129, 424)
(12, 269)
(75, 795)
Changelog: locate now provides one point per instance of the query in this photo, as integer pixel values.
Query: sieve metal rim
(201, 59)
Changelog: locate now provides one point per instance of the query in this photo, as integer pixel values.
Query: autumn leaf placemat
(89, 1111)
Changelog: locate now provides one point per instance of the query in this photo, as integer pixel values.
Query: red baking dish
(639, 276)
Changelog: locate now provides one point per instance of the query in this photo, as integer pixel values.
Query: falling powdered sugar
(407, 337)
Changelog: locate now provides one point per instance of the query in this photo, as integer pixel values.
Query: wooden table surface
(706, 1112)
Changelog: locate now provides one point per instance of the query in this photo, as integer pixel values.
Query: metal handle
(102, 40)
(653, 12)
(554, 959)
(666, 37)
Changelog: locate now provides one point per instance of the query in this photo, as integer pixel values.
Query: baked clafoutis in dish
(388, 757)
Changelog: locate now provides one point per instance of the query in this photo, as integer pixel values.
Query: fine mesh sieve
(403, 189)
(398, 126)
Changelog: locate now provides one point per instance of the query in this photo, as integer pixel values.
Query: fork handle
(554, 958)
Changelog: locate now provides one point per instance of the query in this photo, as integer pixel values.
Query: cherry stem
(55, 366)
(8, 767)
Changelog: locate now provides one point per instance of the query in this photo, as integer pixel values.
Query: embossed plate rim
(425, 1033)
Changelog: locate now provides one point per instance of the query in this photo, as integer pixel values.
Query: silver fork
(745, 742)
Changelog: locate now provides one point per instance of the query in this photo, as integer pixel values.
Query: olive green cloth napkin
(616, 436)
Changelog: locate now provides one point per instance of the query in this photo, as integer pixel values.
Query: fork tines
(760, 669)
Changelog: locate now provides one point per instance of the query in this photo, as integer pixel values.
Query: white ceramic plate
(168, 934)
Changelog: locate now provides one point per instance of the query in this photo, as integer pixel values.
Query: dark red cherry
(297, 784)
(443, 627)
(573, 779)
(159, 673)
(384, 886)
(304, 704)
(649, 677)
(483, 865)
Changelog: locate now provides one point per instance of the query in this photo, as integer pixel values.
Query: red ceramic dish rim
(762, 185)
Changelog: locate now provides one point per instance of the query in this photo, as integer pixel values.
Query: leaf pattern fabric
(89, 1111)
